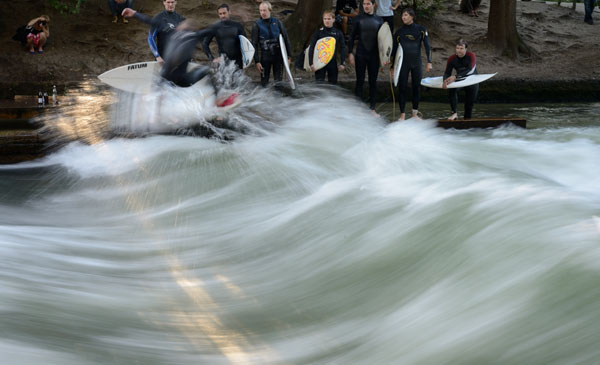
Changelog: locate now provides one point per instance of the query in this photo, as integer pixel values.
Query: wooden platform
(481, 123)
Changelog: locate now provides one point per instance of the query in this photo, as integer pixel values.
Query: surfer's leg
(332, 72)
(320, 75)
(197, 74)
(470, 96)
(278, 67)
(453, 93)
(402, 85)
(266, 62)
(416, 74)
(373, 69)
(360, 70)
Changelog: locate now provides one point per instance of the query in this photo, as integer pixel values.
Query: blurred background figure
(117, 6)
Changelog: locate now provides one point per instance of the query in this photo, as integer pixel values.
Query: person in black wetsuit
(332, 68)
(410, 36)
(163, 24)
(364, 31)
(464, 62)
(226, 32)
(178, 51)
(265, 39)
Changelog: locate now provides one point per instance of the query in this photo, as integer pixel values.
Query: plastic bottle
(54, 95)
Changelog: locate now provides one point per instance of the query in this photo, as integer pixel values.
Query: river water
(320, 234)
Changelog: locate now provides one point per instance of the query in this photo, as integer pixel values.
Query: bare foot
(374, 113)
(416, 116)
(453, 116)
(402, 117)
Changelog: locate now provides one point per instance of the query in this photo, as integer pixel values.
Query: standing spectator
(36, 33)
(410, 36)
(464, 62)
(226, 32)
(589, 9)
(265, 38)
(385, 10)
(364, 32)
(117, 6)
(332, 68)
(347, 9)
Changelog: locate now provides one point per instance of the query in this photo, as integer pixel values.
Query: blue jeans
(117, 9)
(589, 9)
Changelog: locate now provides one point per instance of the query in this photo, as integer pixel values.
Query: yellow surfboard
(323, 54)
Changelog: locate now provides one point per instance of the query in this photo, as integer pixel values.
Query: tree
(502, 29)
(304, 21)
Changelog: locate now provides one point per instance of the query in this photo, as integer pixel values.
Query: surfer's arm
(427, 46)
(206, 44)
(139, 16)
(341, 44)
(286, 39)
(152, 42)
(255, 43)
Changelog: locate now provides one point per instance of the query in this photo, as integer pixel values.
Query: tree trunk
(502, 29)
(304, 22)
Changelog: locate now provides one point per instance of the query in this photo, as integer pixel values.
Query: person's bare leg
(402, 117)
(30, 45)
(41, 42)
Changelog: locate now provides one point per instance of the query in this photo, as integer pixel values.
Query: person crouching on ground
(38, 30)
(332, 68)
(464, 62)
(117, 6)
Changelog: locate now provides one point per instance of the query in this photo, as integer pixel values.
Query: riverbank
(87, 44)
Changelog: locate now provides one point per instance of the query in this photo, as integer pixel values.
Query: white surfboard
(385, 42)
(398, 63)
(286, 63)
(247, 50)
(140, 78)
(136, 78)
(437, 82)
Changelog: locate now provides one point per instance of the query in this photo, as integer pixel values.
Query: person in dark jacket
(163, 24)
(265, 39)
(227, 34)
(332, 68)
(465, 64)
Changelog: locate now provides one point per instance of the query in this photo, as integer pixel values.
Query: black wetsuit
(366, 56)
(340, 49)
(410, 38)
(178, 52)
(226, 32)
(162, 25)
(265, 39)
(464, 66)
(177, 56)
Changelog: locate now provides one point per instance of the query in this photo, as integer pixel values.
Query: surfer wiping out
(179, 51)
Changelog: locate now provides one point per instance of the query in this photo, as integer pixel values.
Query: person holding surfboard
(227, 33)
(464, 62)
(265, 38)
(410, 37)
(328, 42)
(366, 57)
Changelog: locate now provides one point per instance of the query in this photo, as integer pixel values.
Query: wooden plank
(481, 123)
